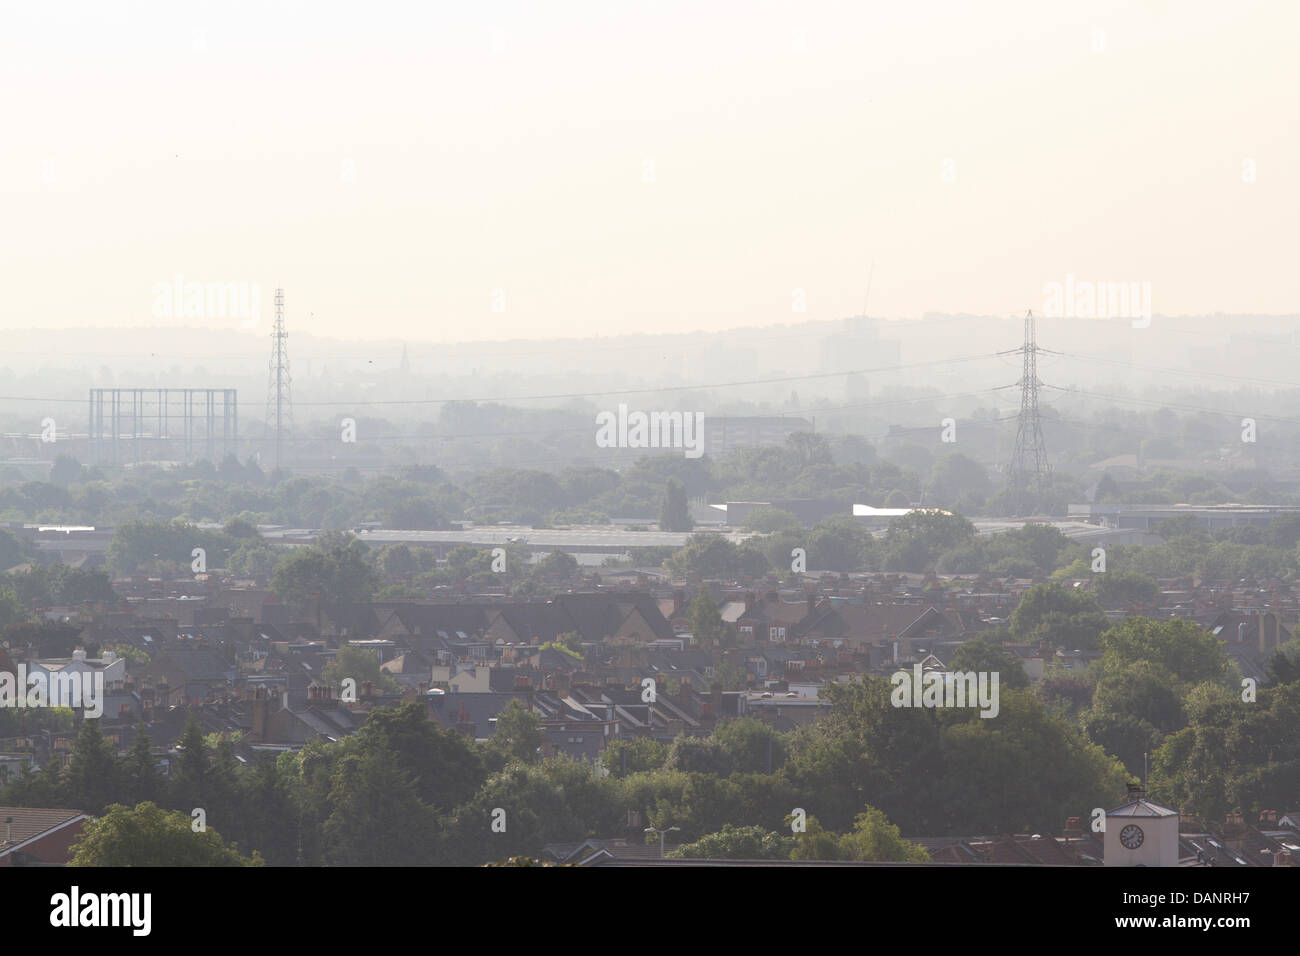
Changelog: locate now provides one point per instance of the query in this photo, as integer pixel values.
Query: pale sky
(616, 167)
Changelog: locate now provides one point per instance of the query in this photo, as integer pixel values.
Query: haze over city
(447, 174)
(770, 435)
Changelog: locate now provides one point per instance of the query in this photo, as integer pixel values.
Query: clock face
(1131, 836)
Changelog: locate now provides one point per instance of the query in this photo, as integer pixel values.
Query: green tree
(1179, 647)
(557, 565)
(955, 475)
(12, 550)
(93, 778)
(809, 449)
(190, 781)
(766, 520)
(445, 767)
(637, 754)
(737, 843)
(78, 587)
(368, 793)
(336, 569)
(981, 654)
(529, 804)
(416, 514)
(1107, 491)
(713, 556)
(1118, 589)
(242, 529)
(518, 733)
(753, 746)
(838, 545)
(706, 619)
(11, 610)
(137, 543)
(270, 817)
(141, 779)
(1059, 616)
(699, 755)
(874, 839)
(1284, 666)
(256, 559)
(65, 470)
(149, 836)
(361, 665)
(1134, 708)
(915, 540)
(814, 842)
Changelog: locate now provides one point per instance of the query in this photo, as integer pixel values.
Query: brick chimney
(464, 725)
(259, 726)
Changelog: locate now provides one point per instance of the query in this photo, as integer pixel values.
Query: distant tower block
(279, 397)
(132, 425)
(1029, 469)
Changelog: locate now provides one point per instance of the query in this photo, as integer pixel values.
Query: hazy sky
(619, 167)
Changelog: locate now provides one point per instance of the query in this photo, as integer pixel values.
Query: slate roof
(429, 619)
(1142, 808)
(197, 664)
(478, 709)
(872, 622)
(537, 623)
(599, 615)
(354, 620)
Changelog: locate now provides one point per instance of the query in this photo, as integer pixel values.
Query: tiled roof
(29, 822)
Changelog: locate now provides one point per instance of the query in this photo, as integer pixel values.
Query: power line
(597, 394)
(1177, 371)
(1029, 459)
(542, 430)
(1160, 403)
(279, 397)
(656, 388)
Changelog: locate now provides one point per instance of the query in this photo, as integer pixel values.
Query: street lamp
(661, 836)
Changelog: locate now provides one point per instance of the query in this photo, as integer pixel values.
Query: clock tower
(1141, 833)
